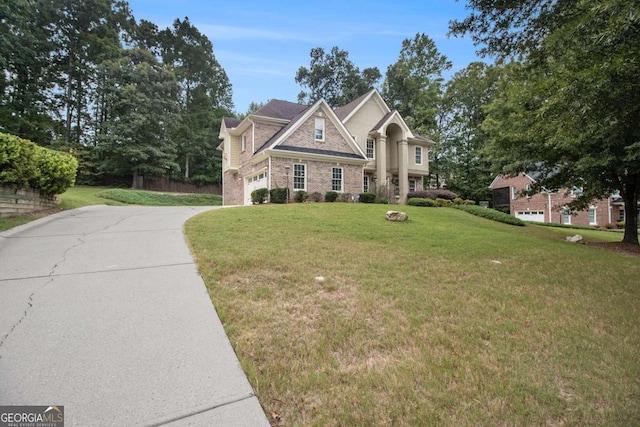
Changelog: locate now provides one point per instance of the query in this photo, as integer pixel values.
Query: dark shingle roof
(230, 122)
(280, 109)
(282, 130)
(318, 151)
(382, 120)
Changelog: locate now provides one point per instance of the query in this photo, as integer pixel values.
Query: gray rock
(575, 239)
(397, 216)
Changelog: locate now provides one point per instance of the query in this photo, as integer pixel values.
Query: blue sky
(261, 44)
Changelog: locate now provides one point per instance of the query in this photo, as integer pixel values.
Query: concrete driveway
(102, 311)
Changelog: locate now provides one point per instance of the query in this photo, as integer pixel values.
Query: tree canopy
(570, 109)
(334, 78)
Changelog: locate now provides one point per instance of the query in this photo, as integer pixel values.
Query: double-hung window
(412, 185)
(299, 177)
(319, 130)
(336, 179)
(365, 183)
(371, 148)
(592, 215)
(418, 155)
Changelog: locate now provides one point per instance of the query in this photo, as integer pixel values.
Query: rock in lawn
(575, 239)
(319, 279)
(397, 216)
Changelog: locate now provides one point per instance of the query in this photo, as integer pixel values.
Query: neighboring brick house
(552, 206)
(317, 149)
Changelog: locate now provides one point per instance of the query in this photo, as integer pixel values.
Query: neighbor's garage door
(253, 183)
(535, 216)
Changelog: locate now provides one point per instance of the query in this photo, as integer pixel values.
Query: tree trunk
(630, 197)
(186, 165)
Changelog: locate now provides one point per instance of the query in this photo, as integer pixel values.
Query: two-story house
(362, 146)
(548, 206)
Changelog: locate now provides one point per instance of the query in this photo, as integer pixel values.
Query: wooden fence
(169, 186)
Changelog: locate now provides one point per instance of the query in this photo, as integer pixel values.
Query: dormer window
(319, 131)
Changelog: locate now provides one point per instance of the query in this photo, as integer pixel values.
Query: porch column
(381, 161)
(403, 169)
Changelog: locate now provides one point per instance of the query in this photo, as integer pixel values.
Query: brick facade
(553, 205)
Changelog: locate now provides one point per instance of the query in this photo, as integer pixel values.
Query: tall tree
(413, 84)
(572, 110)
(333, 77)
(135, 140)
(205, 96)
(468, 93)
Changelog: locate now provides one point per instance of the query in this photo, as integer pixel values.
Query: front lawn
(340, 317)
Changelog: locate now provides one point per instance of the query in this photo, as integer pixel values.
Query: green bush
(417, 201)
(367, 197)
(278, 195)
(491, 214)
(259, 195)
(331, 196)
(300, 196)
(444, 203)
(433, 193)
(24, 164)
(383, 201)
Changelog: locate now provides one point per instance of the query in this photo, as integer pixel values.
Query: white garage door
(253, 183)
(534, 216)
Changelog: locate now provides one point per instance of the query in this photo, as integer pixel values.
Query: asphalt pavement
(102, 311)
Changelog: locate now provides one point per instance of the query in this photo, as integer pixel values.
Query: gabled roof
(300, 118)
(346, 112)
(392, 117)
(278, 109)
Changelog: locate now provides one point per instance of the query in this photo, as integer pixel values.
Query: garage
(533, 216)
(253, 183)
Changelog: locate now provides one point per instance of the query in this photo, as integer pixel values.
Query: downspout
(549, 206)
(253, 137)
(609, 208)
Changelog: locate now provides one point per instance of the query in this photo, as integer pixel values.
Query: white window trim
(415, 184)
(365, 183)
(341, 190)
(374, 148)
(316, 128)
(415, 155)
(595, 215)
(294, 177)
(514, 193)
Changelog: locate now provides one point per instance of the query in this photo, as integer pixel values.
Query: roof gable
(281, 138)
(277, 109)
(346, 112)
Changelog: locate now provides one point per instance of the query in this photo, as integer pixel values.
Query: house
(362, 146)
(546, 206)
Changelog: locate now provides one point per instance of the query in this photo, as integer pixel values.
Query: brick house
(552, 206)
(317, 149)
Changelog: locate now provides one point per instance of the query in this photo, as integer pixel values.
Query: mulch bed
(618, 247)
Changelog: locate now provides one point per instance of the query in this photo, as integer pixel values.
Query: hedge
(24, 164)
(491, 214)
(419, 201)
(433, 193)
(278, 195)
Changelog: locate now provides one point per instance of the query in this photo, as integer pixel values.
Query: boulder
(575, 239)
(397, 216)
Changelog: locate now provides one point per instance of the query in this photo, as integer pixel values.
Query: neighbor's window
(514, 193)
(418, 155)
(566, 216)
(299, 177)
(412, 185)
(319, 132)
(336, 179)
(365, 183)
(371, 148)
(592, 215)
(621, 217)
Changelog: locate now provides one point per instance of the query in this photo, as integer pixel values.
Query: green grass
(152, 198)
(446, 319)
(79, 196)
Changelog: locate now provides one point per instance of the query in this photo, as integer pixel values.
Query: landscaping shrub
(469, 202)
(300, 196)
(444, 203)
(383, 201)
(331, 196)
(24, 164)
(367, 197)
(434, 193)
(491, 214)
(418, 201)
(278, 195)
(316, 197)
(259, 195)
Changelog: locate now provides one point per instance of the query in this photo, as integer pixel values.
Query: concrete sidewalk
(102, 310)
